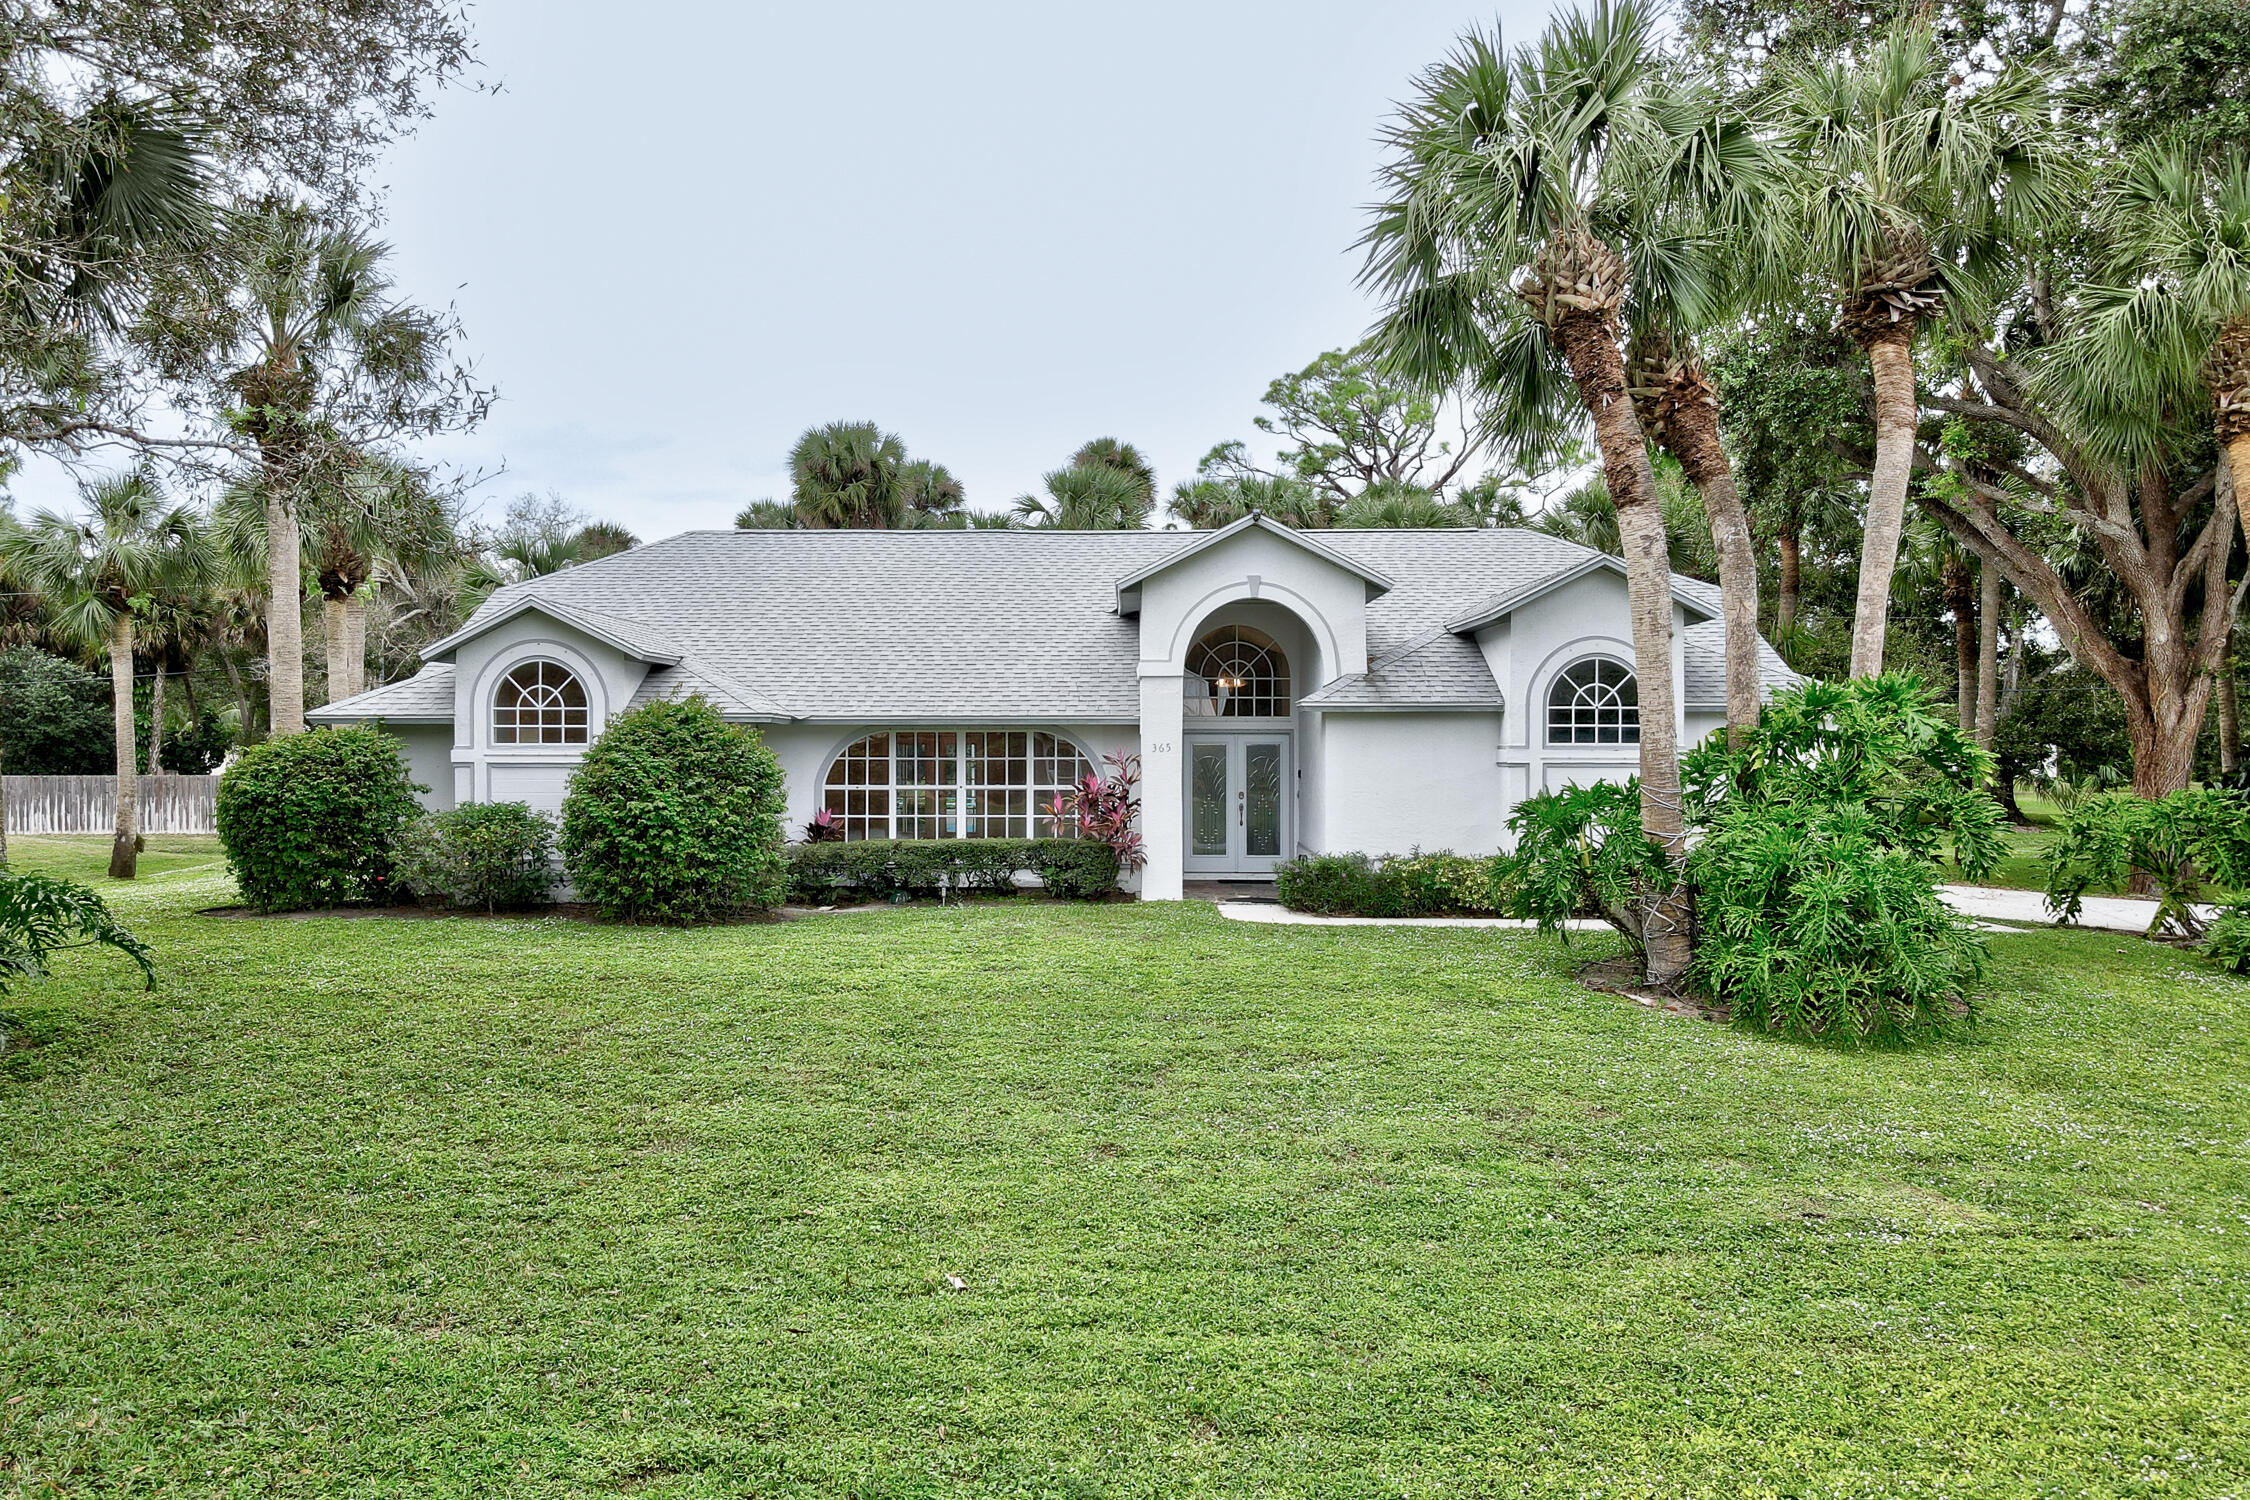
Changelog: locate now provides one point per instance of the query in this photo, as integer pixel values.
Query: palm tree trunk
(1890, 353)
(1791, 540)
(335, 637)
(1990, 602)
(285, 625)
(3, 807)
(1960, 597)
(355, 642)
(156, 720)
(1691, 432)
(1589, 346)
(124, 851)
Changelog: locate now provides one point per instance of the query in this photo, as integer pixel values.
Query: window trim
(1629, 735)
(956, 800)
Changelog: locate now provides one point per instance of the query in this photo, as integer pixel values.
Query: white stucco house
(1286, 691)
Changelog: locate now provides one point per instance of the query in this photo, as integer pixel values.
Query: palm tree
(1088, 497)
(2170, 329)
(1212, 501)
(316, 297)
(1123, 457)
(1503, 243)
(1899, 181)
(932, 497)
(846, 475)
(94, 574)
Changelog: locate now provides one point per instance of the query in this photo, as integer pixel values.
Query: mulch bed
(1622, 976)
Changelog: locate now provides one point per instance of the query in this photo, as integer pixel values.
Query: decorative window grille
(1595, 702)
(1236, 672)
(539, 703)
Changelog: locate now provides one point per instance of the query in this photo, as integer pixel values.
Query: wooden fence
(88, 804)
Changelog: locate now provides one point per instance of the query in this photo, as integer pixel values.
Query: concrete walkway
(1988, 905)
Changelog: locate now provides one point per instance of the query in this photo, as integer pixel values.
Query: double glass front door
(1238, 803)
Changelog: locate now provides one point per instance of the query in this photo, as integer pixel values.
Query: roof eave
(1493, 611)
(562, 614)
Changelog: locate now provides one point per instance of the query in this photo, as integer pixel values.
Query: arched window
(951, 783)
(539, 703)
(1237, 673)
(1596, 702)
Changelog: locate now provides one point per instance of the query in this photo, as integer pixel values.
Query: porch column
(1163, 815)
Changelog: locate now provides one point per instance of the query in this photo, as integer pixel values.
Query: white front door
(1238, 802)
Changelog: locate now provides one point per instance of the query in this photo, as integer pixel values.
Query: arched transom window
(1595, 702)
(951, 783)
(539, 703)
(1236, 672)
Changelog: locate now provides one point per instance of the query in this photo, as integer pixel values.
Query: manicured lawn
(450, 1207)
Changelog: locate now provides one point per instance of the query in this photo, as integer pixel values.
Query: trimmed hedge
(675, 816)
(315, 819)
(1071, 869)
(1414, 885)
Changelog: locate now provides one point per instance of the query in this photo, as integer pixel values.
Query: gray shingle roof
(1703, 653)
(957, 625)
(427, 695)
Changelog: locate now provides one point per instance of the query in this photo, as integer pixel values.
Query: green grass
(360, 1207)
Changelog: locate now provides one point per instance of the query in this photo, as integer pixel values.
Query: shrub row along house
(1287, 693)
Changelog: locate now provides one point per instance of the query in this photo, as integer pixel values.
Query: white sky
(682, 232)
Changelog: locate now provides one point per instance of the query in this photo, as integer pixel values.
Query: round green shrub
(497, 855)
(675, 816)
(315, 819)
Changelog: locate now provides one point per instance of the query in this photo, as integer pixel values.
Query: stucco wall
(1393, 782)
(429, 760)
(537, 774)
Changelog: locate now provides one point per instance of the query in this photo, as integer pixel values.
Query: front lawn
(1076, 1201)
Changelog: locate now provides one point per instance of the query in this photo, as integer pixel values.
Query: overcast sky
(679, 233)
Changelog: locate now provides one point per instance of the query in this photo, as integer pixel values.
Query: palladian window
(539, 703)
(951, 783)
(1237, 673)
(1595, 702)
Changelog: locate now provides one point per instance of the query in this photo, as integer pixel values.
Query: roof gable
(1129, 587)
(1501, 605)
(634, 639)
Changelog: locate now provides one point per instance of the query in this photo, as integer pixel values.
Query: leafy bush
(54, 717)
(1580, 852)
(315, 819)
(497, 855)
(2227, 941)
(878, 869)
(675, 816)
(1816, 875)
(1443, 884)
(42, 915)
(2179, 842)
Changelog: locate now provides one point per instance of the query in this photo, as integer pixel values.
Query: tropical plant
(675, 815)
(316, 820)
(1227, 487)
(95, 575)
(42, 915)
(310, 355)
(1506, 245)
(1104, 807)
(494, 855)
(2179, 843)
(1816, 876)
(1088, 496)
(847, 475)
(1581, 851)
(1902, 182)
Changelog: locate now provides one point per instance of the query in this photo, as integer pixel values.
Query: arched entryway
(1237, 720)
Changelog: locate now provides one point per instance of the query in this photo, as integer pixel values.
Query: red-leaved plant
(824, 828)
(1104, 807)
